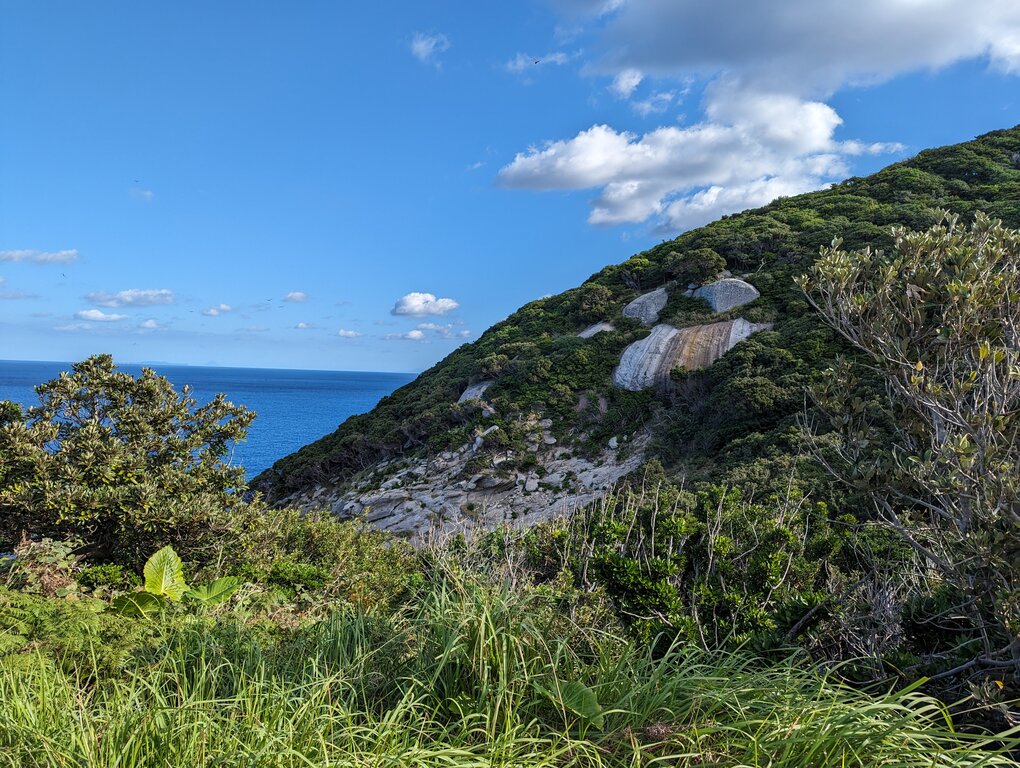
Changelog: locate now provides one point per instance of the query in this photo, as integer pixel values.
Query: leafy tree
(125, 464)
(697, 266)
(938, 320)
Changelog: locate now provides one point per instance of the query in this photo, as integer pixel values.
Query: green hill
(733, 422)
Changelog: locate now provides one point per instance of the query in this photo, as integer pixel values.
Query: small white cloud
(132, 297)
(145, 195)
(98, 316)
(444, 331)
(253, 329)
(16, 295)
(296, 296)
(217, 310)
(657, 102)
(40, 257)
(418, 304)
(304, 326)
(148, 325)
(415, 335)
(523, 62)
(72, 327)
(427, 47)
(343, 333)
(476, 166)
(625, 82)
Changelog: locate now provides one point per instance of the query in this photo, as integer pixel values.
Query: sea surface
(294, 407)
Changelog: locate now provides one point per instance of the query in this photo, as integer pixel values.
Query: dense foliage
(122, 464)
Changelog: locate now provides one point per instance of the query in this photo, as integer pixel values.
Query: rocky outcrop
(591, 330)
(648, 362)
(419, 497)
(727, 293)
(646, 308)
(475, 391)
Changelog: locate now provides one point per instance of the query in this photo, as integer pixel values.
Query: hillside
(695, 352)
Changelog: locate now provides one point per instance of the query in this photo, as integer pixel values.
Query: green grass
(470, 674)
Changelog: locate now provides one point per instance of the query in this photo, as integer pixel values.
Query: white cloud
(145, 195)
(625, 82)
(149, 325)
(98, 316)
(420, 304)
(217, 310)
(415, 335)
(346, 334)
(132, 297)
(657, 102)
(72, 327)
(16, 295)
(769, 67)
(40, 257)
(427, 47)
(444, 331)
(304, 326)
(523, 62)
(296, 297)
(751, 147)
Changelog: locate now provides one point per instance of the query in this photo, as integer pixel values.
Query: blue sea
(294, 407)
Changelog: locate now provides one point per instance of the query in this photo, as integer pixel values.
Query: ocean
(294, 407)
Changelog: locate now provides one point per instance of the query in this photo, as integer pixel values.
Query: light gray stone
(591, 330)
(614, 443)
(475, 391)
(646, 308)
(531, 484)
(641, 362)
(727, 293)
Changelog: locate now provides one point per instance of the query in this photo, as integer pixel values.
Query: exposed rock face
(419, 497)
(591, 330)
(647, 362)
(646, 308)
(475, 391)
(727, 293)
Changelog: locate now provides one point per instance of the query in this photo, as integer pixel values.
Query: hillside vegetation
(732, 423)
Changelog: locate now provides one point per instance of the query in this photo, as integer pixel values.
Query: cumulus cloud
(304, 326)
(149, 325)
(427, 47)
(132, 297)
(296, 297)
(767, 69)
(40, 257)
(217, 310)
(98, 316)
(346, 334)
(416, 335)
(419, 304)
(751, 147)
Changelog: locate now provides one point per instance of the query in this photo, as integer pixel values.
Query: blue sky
(365, 187)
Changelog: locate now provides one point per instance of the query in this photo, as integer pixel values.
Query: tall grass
(471, 675)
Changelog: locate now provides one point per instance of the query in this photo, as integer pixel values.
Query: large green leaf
(164, 575)
(578, 699)
(138, 604)
(216, 592)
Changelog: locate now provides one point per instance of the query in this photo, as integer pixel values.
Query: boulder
(646, 308)
(648, 361)
(475, 391)
(727, 293)
(591, 330)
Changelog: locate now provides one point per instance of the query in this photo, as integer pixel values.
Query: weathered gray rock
(614, 443)
(475, 391)
(727, 293)
(648, 362)
(591, 330)
(646, 308)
